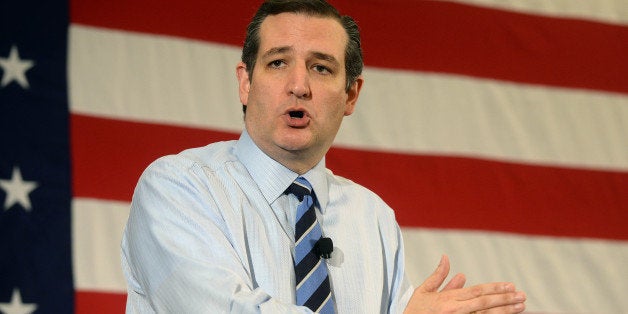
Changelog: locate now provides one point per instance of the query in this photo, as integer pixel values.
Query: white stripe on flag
(97, 228)
(559, 275)
(610, 11)
(453, 115)
(193, 84)
(153, 78)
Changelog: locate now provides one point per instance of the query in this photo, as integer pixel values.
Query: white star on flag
(16, 306)
(15, 69)
(17, 190)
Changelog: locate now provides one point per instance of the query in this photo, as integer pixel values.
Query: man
(237, 226)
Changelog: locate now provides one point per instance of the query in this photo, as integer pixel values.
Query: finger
(437, 278)
(485, 289)
(457, 282)
(512, 302)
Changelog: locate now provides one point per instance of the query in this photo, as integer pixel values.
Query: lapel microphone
(324, 247)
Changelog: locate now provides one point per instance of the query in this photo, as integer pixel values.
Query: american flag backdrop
(496, 129)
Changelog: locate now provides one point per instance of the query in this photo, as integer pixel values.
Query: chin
(294, 140)
(293, 147)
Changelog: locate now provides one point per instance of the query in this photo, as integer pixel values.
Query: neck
(299, 161)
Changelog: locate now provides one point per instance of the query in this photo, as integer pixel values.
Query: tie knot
(300, 187)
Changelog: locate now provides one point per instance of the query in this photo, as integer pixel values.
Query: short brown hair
(353, 51)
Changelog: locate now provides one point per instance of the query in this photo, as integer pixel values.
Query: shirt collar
(317, 177)
(273, 178)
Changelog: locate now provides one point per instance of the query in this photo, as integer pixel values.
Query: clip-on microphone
(324, 247)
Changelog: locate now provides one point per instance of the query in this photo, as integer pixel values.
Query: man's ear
(244, 82)
(352, 95)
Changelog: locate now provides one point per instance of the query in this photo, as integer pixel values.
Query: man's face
(296, 97)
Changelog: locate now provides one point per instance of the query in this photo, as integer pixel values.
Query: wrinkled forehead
(303, 33)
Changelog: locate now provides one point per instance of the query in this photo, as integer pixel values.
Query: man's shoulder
(344, 186)
(360, 200)
(212, 156)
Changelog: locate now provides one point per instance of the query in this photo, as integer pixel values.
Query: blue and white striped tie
(312, 281)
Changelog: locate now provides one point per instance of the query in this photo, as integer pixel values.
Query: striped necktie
(312, 282)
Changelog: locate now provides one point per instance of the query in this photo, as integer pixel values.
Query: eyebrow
(325, 57)
(283, 49)
(276, 50)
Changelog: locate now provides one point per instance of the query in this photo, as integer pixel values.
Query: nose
(299, 82)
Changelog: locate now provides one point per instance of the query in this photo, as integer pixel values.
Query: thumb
(436, 279)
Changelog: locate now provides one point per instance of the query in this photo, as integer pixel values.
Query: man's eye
(321, 69)
(276, 63)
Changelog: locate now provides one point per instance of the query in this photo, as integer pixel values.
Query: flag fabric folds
(506, 120)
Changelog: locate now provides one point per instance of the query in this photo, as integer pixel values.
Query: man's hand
(497, 297)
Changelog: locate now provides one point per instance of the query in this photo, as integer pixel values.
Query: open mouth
(296, 114)
(297, 118)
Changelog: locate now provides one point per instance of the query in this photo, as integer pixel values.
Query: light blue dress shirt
(211, 231)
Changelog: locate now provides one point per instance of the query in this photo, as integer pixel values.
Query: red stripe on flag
(219, 21)
(425, 191)
(108, 156)
(89, 302)
(432, 36)
(439, 36)
(466, 193)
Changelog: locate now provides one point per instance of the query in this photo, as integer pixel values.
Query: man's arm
(497, 297)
